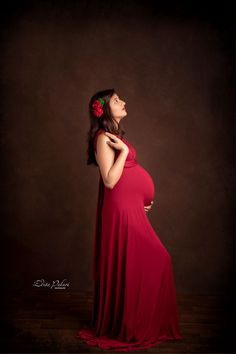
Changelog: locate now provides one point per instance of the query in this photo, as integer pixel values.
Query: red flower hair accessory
(97, 107)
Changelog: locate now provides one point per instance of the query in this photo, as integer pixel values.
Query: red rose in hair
(97, 108)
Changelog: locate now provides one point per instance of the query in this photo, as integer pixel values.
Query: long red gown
(134, 300)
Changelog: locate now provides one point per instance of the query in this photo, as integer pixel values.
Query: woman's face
(117, 107)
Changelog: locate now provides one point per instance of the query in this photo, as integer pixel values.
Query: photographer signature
(55, 284)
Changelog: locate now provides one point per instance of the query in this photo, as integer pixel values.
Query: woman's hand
(148, 207)
(117, 143)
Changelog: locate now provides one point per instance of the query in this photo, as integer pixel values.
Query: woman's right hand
(117, 143)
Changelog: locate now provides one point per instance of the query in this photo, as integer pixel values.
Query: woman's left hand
(148, 207)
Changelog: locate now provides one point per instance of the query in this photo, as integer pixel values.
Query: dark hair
(105, 121)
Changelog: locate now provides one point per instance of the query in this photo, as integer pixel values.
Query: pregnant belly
(134, 186)
(145, 185)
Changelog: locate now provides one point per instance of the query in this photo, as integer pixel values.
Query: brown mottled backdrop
(173, 64)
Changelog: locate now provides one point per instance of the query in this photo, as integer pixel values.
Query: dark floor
(47, 321)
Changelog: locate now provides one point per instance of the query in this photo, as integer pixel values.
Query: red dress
(134, 303)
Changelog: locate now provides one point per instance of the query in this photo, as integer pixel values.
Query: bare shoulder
(102, 138)
(102, 134)
(102, 146)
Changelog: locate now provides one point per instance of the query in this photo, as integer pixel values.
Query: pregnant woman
(134, 300)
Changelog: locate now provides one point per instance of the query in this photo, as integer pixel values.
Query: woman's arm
(110, 169)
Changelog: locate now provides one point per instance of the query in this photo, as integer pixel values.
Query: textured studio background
(173, 65)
